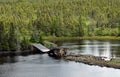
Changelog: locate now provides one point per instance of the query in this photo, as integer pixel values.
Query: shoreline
(87, 59)
(93, 60)
(102, 38)
(18, 53)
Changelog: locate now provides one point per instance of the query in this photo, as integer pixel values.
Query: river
(45, 66)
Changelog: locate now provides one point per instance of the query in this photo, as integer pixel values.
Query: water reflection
(8, 59)
(108, 49)
(45, 66)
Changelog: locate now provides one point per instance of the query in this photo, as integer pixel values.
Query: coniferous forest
(27, 21)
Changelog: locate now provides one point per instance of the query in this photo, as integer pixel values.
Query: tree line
(26, 21)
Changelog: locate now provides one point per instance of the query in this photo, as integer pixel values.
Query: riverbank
(17, 53)
(93, 60)
(81, 38)
(87, 59)
(28, 51)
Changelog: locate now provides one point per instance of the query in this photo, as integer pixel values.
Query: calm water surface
(108, 49)
(45, 66)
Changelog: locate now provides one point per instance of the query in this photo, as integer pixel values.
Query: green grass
(82, 38)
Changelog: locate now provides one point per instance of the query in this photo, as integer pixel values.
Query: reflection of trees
(98, 48)
(8, 60)
(116, 51)
(80, 48)
(101, 51)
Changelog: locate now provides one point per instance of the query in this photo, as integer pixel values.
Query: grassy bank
(82, 38)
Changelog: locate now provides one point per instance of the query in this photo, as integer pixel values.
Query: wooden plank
(41, 47)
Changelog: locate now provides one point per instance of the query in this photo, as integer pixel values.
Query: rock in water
(57, 52)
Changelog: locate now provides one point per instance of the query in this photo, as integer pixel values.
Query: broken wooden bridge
(40, 48)
(54, 52)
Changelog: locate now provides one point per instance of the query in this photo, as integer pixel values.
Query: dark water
(44, 66)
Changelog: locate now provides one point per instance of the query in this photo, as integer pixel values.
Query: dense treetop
(23, 21)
